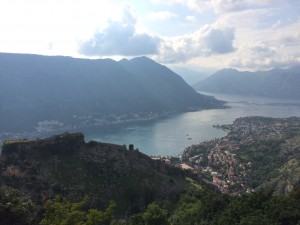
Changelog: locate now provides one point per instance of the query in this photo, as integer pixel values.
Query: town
(220, 161)
(76, 123)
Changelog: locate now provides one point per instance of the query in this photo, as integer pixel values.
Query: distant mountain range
(278, 83)
(63, 90)
(190, 76)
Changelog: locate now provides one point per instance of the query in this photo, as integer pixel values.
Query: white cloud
(120, 38)
(222, 6)
(29, 26)
(265, 35)
(267, 48)
(218, 6)
(196, 5)
(258, 35)
(209, 40)
(161, 15)
(258, 55)
(219, 40)
(240, 33)
(191, 18)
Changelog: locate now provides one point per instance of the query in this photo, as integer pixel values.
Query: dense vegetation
(146, 191)
(257, 152)
(195, 206)
(265, 157)
(65, 165)
(16, 208)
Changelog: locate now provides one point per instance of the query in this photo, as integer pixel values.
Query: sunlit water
(170, 136)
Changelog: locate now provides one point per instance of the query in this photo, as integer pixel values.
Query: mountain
(79, 179)
(190, 76)
(277, 83)
(64, 91)
(66, 165)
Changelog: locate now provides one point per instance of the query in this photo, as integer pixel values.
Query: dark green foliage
(265, 157)
(155, 215)
(194, 207)
(199, 206)
(103, 171)
(250, 209)
(204, 208)
(60, 211)
(136, 219)
(15, 207)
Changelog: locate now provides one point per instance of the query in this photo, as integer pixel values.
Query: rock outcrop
(66, 165)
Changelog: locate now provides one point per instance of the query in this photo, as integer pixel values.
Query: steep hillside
(257, 153)
(66, 165)
(287, 176)
(63, 92)
(282, 83)
(143, 190)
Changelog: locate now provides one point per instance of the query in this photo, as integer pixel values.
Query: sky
(241, 34)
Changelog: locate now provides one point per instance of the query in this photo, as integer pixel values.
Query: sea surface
(170, 136)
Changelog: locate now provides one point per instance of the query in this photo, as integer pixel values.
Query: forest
(194, 206)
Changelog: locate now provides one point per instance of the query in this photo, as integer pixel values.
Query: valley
(153, 112)
(254, 168)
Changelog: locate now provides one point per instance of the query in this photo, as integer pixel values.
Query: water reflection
(172, 135)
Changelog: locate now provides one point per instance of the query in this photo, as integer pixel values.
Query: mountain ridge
(36, 88)
(276, 83)
(66, 165)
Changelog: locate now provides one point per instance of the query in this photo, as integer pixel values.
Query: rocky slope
(66, 165)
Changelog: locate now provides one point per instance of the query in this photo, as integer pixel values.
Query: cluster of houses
(218, 161)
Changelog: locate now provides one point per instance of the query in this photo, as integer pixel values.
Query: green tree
(97, 217)
(155, 215)
(60, 211)
(136, 219)
(257, 218)
(15, 207)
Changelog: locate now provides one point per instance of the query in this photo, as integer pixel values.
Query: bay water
(171, 135)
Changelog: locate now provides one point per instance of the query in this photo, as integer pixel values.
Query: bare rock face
(66, 165)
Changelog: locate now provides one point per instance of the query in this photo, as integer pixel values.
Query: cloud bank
(161, 15)
(244, 34)
(207, 41)
(120, 38)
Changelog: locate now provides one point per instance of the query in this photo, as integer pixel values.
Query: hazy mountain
(190, 76)
(36, 88)
(281, 83)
